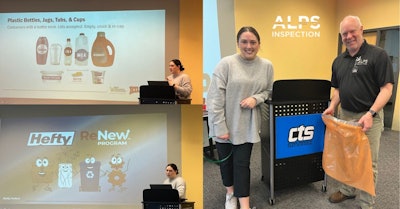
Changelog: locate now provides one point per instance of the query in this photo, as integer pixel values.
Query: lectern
(164, 199)
(157, 94)
(293, 133)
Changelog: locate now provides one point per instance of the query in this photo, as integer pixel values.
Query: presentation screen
(97, 56)
(81, 162)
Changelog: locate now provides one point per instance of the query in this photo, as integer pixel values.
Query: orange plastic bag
(347, 155)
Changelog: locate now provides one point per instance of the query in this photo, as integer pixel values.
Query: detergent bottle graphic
(103, 51)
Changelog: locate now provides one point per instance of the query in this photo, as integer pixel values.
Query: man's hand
(366, 121)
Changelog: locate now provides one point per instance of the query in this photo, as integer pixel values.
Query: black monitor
(158, 83)
(160, 186)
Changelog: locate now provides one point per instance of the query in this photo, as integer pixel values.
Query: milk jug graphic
(103, 51)
(81, 50)
(42, 49)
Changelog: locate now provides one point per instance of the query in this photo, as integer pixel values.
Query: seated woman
(177, 182)
(179, 80)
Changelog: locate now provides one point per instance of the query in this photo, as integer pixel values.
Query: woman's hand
(170, 82)
(224, 137)
(249, 102)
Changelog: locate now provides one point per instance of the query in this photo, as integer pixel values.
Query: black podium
(293, 133)
(164, 199)
(157, 94)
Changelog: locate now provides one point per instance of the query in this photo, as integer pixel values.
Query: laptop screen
(160, 186)
(158, 83)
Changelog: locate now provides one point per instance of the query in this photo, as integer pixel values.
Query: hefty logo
(51, 138)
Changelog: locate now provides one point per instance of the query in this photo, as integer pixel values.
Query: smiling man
(362, 78)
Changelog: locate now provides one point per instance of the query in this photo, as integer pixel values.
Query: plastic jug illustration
(103, 51)
(81, 50)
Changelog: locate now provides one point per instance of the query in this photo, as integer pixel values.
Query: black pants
(235, 170)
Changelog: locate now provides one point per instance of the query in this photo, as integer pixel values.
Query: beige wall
(293, 58)
(191, 55)
(373, 14)
(191, 44)
(192, 152)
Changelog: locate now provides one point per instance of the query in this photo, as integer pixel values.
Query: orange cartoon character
(117, 177)
(42, 173)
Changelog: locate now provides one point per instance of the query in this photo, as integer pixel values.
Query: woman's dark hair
(173, 166)
(247, 29)
(178, 63)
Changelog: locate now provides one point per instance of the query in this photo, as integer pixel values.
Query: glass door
(389, 40)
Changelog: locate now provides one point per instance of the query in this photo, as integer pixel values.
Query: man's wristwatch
(373, 113)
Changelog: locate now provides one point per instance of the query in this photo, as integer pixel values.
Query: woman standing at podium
(179, 80)
(239, 84)
(177, 182)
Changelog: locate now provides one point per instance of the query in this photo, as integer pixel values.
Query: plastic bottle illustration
(42, 49)
(68, 52)
(55, 54)
(81, 50)
(103, 51)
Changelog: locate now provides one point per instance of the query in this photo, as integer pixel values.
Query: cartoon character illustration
(42, 173)
(65, 175)
(117, 177)
(90, 175)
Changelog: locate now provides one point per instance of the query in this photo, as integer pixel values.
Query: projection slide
(91, 55)
(81, 161)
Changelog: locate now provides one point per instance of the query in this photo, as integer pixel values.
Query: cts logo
(302, 133)
(51, 138)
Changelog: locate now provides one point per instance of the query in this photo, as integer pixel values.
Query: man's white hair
(355, 18)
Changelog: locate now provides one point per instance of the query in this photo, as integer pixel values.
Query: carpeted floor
(310, 196)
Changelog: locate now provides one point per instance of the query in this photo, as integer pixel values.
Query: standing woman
(239, 84)
(179, 80)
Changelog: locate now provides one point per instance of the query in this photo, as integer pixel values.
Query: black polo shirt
(360, 77)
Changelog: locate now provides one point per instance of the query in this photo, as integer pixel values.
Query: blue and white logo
(299, 135)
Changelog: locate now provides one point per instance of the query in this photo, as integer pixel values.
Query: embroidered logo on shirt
(360, 61)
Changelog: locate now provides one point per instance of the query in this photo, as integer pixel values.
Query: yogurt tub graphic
(51, 76)
(98, 77)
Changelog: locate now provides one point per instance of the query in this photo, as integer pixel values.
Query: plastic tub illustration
(98, 77)
(51, 76)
